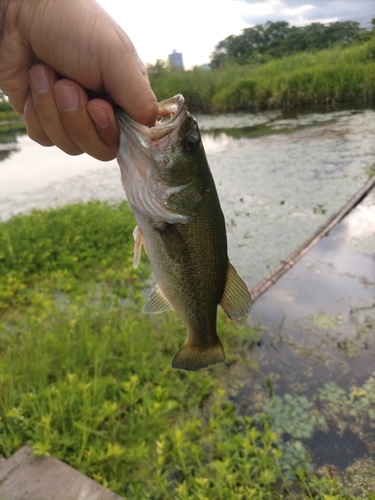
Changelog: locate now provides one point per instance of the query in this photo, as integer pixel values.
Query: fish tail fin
(192, 358)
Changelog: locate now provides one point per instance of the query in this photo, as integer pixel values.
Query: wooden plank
(23, 477)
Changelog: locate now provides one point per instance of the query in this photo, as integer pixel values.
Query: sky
(194, 27)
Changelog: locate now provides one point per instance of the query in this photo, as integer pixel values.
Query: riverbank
(87, 378)
(7, 114)
(328, 77)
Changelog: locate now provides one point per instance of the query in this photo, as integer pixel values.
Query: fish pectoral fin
(236, 300)
(191, 358)
(139, 240)
(157, 303)
(174, 244)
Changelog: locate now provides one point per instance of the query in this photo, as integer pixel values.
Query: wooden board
(23, 477)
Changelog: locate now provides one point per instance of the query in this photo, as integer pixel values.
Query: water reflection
(250, 125)
(279, 178)
(318, 346)
(318, 321)
(278, 189)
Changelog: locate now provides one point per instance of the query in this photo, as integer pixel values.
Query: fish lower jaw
(191, 358)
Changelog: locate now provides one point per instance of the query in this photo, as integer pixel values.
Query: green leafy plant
(85, 377)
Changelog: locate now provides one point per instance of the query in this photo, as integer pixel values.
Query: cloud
(300, 12)
(156, 28)
(361, 10)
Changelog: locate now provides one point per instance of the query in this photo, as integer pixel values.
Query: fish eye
(191, 143)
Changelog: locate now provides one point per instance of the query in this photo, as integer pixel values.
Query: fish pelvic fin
(139, 240)
(236, 300)
(157, 302)
(191, 358)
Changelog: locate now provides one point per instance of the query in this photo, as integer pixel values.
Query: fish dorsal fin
(139, 240)
(236, 300)
(157, 303)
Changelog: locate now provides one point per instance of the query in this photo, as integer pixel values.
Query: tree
(159, 68)
(279, 39)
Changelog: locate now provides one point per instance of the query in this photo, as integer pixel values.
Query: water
(279, 178)
(317, 349)
(277, 189)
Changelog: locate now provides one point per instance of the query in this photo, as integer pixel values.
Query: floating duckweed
(360, 478)
(293, 415)
(353, 409)
(326, 321)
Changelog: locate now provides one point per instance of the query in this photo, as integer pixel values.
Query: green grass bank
(86, 377)
(327, 77)
(7, 113)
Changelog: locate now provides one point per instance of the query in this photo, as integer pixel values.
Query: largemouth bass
(169, 186)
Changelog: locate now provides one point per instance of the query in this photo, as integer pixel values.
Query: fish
(180, 224)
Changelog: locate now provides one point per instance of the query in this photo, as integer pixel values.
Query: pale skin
(51, 52)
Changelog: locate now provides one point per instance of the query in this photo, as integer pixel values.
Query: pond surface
(317, 354)
(279, 179)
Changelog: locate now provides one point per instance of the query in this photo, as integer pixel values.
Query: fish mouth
(171, 114)
(146, 153)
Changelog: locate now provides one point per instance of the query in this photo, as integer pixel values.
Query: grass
(7, 113)
(84, 376)
(11, 115)
(327, 77)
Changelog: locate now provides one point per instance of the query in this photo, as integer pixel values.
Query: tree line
(278, 39)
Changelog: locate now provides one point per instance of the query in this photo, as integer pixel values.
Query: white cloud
(195, 27)
(301, 12)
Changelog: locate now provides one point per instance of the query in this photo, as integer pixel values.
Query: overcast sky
(194, 27)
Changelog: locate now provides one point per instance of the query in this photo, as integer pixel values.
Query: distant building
(175, 61)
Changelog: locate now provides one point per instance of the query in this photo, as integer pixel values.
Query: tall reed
(338, 75)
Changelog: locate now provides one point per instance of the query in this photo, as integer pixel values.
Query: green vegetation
(371, 170)
(7, 113)
(280, 39)
(311, 78)
(9, 133)
(86, 377)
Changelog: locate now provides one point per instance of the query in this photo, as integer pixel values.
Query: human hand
(50, 52)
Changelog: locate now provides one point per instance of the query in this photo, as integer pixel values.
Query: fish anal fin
(139, 240)
(191, 358)
(157, 303)
(236, 300)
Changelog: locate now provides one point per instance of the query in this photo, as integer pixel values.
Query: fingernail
(100, 117)
(67, 98)
(40, 79)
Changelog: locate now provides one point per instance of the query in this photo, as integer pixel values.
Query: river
(278, 177)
